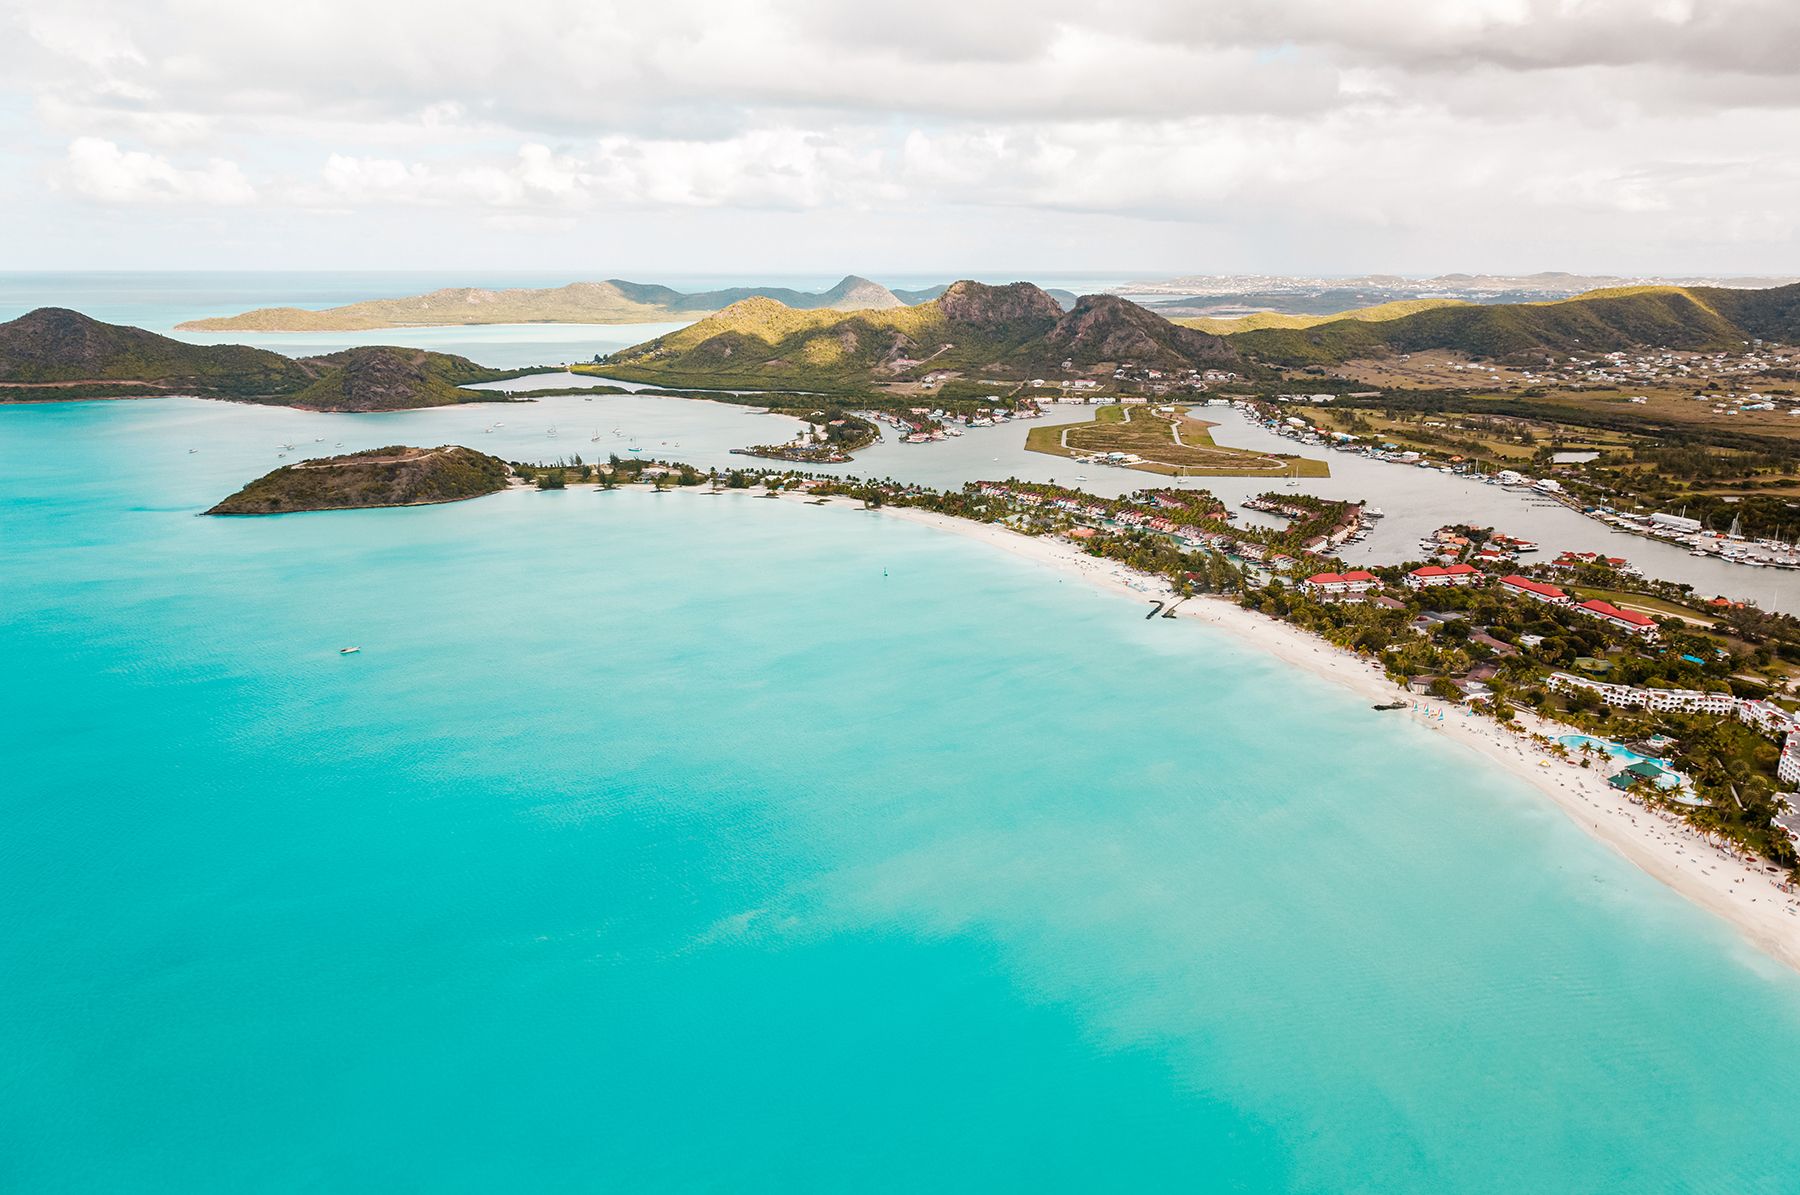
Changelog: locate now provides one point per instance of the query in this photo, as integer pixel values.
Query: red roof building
(1432, 574)
(1536, 590)
(1627, 620)
(1355, 581)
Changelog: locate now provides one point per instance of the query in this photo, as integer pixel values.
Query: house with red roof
(1629, 621)
(1355, 581)
(1452, 574)
(1537, 591)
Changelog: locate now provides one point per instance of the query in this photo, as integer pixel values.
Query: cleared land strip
(1170, 443)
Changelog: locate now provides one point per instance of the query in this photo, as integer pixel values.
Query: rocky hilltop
(1108, 328)
(53, 353)
(1013, 331)
(395, 476)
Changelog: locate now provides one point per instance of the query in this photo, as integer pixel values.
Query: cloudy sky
(791, 136)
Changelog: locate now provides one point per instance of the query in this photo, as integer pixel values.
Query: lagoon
(1417, 500)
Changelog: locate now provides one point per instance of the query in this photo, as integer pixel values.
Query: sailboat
(595, 438)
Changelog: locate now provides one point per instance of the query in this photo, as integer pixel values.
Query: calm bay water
(683, 842)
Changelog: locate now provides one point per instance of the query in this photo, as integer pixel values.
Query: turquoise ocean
(709, 843)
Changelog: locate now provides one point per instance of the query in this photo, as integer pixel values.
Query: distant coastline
(613, 301)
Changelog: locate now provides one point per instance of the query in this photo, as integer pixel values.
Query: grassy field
(1172, 444)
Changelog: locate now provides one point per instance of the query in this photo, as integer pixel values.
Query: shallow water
(680, 842)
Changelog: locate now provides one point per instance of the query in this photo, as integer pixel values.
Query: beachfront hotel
(1355, 581)
(1537, 591)
(1434, 575)
(1629, 621)
(1765, 716)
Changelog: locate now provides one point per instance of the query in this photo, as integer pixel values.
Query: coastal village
(1686, 712)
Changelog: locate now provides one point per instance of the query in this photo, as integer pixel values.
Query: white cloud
(1431, 122)
(100, 170)
(776, 168)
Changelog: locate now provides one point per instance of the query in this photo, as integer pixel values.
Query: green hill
(56, 345)
(394, 476)
(1692, 318)
(385, 378)
(1108, 329)
(1015, 331)
(53, 353)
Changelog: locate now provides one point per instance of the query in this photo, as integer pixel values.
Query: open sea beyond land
(672, 842)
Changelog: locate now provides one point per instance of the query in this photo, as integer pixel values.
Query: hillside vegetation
(56, 345)
(394, 476)
(1012, 331)
(1690, 318)
(53, 353)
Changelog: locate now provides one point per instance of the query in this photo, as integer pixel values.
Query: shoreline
(1665, 848)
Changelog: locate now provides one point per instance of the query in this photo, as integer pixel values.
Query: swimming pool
(1622, 753)
(1626, 756)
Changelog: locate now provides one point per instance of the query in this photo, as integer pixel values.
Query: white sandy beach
(1714, 877)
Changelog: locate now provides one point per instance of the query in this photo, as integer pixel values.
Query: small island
(394, 476)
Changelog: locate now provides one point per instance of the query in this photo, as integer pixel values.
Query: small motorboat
(348, 651)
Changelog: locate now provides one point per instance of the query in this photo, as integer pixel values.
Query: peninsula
(614, 301)
(393, 476)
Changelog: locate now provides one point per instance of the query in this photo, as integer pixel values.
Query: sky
(1138, 137)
